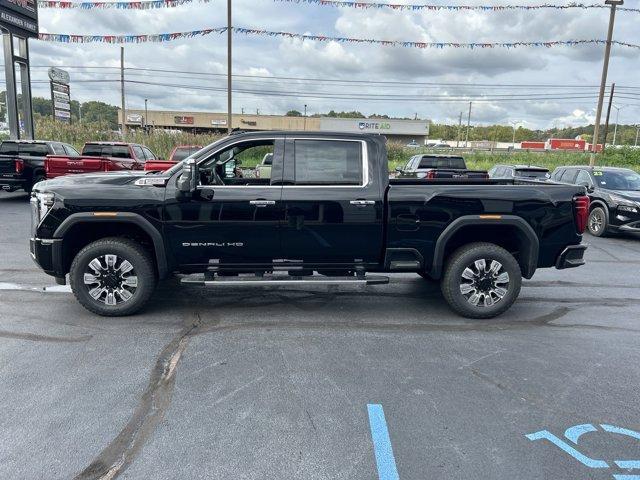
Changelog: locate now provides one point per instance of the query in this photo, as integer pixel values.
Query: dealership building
(396, 130)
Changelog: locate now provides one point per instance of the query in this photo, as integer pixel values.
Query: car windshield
(620, 180)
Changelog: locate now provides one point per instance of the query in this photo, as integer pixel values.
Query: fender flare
(121, 217)
(529, 256)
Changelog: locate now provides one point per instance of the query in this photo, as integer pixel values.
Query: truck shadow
(16, 197)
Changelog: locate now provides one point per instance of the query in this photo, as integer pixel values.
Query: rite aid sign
(369, 125)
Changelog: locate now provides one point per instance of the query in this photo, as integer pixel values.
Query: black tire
(37, 178)
(114, 286)
(598, 222)
(500, 295)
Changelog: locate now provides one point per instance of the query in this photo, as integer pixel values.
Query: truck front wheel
(113, 277)
(481, 280)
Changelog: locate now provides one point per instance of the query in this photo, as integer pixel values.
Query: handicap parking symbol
(573, 434)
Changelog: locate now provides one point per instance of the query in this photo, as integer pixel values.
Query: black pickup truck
(328, 207)
(432, 166)
(22, 162)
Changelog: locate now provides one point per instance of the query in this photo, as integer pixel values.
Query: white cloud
(293, 58)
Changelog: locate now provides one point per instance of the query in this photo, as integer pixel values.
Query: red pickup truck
(100, 157)
(178, 154)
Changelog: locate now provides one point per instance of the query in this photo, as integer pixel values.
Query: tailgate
(158, 165)
(61, 165)
(7, 165)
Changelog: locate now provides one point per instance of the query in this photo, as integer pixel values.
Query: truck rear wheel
(113, 277)
(481, 280)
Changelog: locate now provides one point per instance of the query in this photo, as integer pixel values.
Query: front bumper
(571, 257)
(47, 253)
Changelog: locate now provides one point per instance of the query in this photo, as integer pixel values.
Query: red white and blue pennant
(168, 37)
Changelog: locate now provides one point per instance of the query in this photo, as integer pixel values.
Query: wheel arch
(80, 229)
(508, 231)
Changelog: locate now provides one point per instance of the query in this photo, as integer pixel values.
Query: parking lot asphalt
(276, 383)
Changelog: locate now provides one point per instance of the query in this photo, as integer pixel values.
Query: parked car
(519, 172)
(100, 157)
(178, 154)
(438, 166)
(614, 193)
(330, 208)
(413, 144)
(22, 162)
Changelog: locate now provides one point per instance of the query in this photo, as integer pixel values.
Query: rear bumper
(571, 257)
(47, 253)
(10, 184)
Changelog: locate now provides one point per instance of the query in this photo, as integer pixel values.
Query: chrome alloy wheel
(482, 286)
(110, 280)
(596, 221)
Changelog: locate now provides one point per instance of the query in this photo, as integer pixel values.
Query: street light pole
(515, 125)
(305, 117)
(637, 135)
(615, 130)
(459, 131)
(466, 141)
(603, 81)
(229, 63)
(146, 116)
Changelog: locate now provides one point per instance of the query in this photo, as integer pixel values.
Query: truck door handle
(262, 203)
(362, 203)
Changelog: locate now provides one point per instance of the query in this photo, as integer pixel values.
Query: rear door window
(72, 152)
(569, 176)
(148, 154)
(137, 151)
(58, 149)
(328, 162)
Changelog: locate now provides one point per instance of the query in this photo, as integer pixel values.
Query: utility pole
(305, 117)
(603, 81)
(615, 130)
(146, 116)
(229, 63)
(514, 124)
(466, 141)
(124, 113)
(606, 123)
(637, 135)
(459, 131)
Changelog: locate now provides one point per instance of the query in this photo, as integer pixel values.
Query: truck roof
(297, 133)
(27, 141)
(111, 143)
(587, 167)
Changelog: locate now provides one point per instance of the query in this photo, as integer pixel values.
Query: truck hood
(90, 180)
(628, 194)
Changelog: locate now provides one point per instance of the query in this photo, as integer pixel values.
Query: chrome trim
(366, 179)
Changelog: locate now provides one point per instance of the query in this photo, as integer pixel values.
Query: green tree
(293, 113)
(94, 111)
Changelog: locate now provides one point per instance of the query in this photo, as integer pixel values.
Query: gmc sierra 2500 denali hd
(328, 207)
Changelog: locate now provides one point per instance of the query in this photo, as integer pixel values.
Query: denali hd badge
(212, 244)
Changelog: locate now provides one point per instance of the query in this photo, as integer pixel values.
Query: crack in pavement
(34, 337)
(150, 411)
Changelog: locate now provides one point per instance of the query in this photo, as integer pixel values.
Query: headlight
(45, 201)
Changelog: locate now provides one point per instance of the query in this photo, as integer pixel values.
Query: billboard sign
(60, 94)
(20, 17)
(183, 120)
(374, 125)
(134, 118)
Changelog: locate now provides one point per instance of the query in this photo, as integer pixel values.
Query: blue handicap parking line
(382, 444)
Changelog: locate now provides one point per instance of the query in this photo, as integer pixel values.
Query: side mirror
(188, 180)
(591, 189)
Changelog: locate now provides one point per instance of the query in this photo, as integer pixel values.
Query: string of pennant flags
(454, 8)
(168, 37)
(134, 5)
(155, 4)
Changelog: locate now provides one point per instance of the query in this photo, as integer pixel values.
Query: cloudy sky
(436, 82)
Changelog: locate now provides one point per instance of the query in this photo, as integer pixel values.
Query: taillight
(431, 174)
(581, 212)
(19, 166)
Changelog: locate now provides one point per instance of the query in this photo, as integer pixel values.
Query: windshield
(620, 180)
